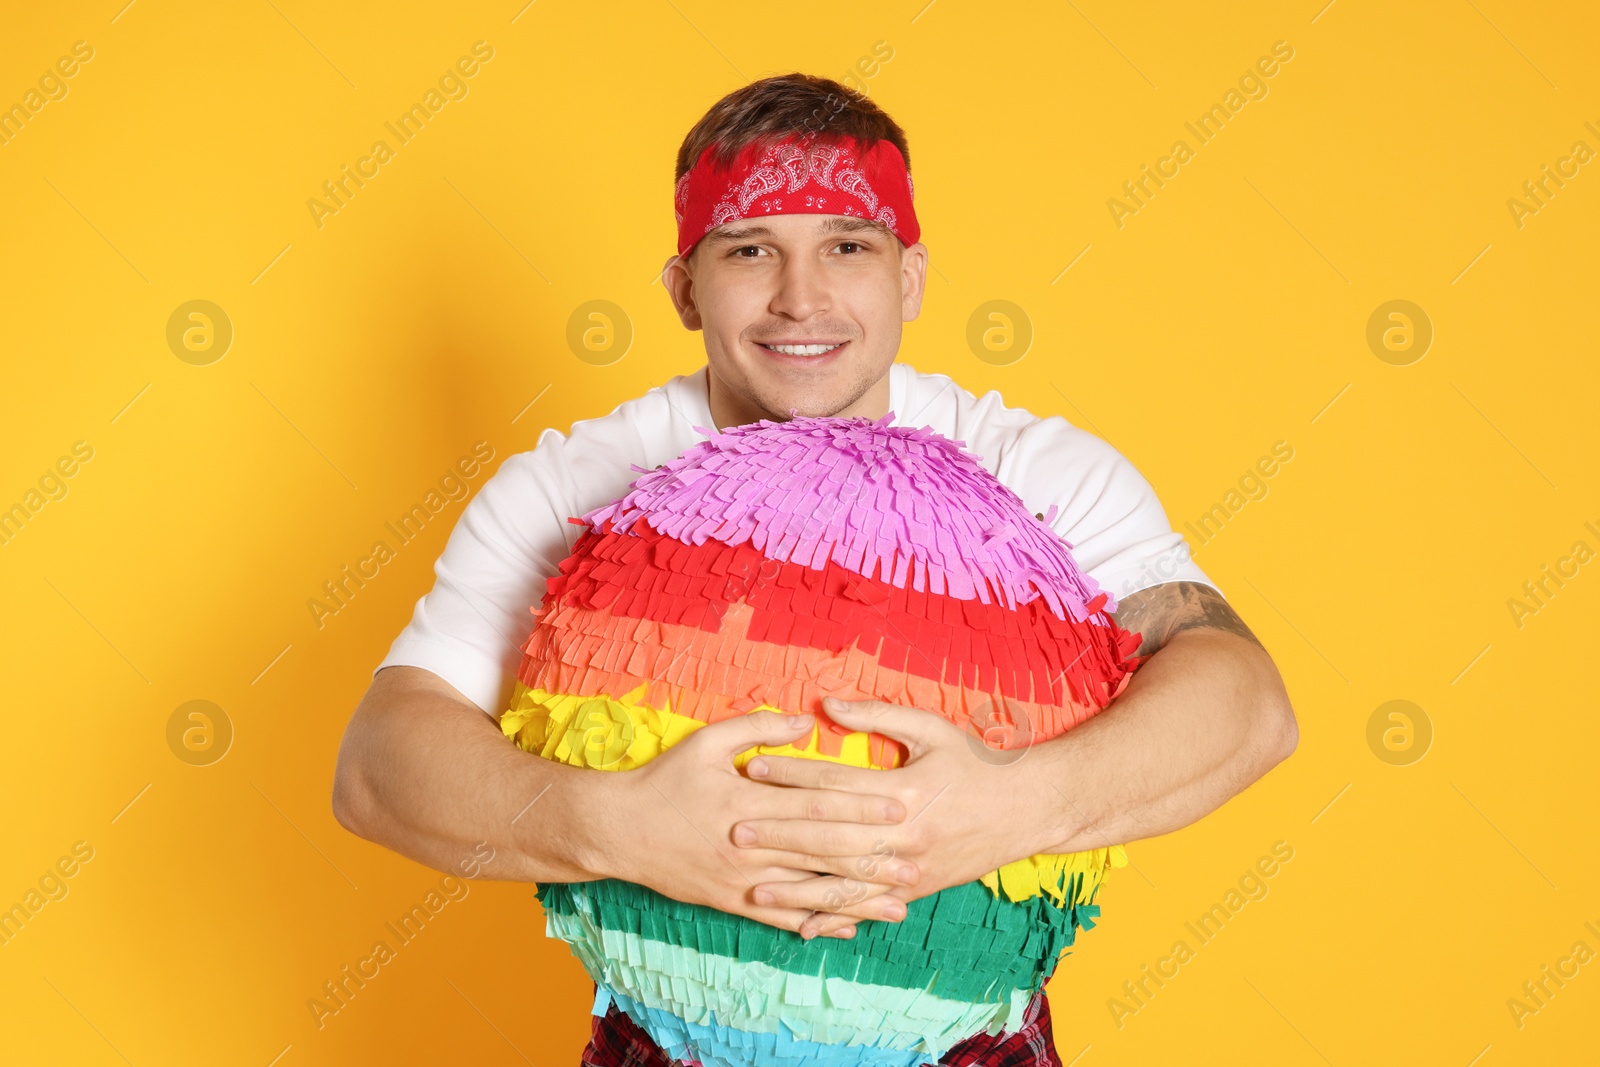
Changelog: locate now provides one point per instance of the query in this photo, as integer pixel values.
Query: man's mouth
(806, 348)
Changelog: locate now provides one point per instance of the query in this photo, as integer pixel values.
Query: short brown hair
(785, 105)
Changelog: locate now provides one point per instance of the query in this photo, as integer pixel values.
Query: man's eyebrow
(833, 225)
(738, 233)
(853, 224)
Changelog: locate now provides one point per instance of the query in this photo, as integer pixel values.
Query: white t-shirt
(513, 535)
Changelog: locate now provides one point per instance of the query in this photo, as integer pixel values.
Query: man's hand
(694, 794)
(1204, 717)
(971, 810)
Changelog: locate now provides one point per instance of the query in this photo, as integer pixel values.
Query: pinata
(768, 566)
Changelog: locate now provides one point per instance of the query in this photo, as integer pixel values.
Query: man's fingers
(827, 805)
(838, 896)
(831, 924)
(912, 727)
(817, 839)
(743, 732)
(796, 919)
(882, 866)
(814, 774)
(826, 925)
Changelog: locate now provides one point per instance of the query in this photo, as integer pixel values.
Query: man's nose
(802, 290)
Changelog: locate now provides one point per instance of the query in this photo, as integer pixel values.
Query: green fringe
(961, 943)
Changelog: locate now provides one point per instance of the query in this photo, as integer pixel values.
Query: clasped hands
(815, 846)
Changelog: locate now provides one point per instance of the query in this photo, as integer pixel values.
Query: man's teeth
(802, 350)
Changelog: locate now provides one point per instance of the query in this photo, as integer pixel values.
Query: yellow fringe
(621, 734)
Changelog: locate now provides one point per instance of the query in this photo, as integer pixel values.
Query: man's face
(832, 289)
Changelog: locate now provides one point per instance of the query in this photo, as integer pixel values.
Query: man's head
(805, 279)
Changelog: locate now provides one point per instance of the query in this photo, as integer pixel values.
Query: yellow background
(371, 353)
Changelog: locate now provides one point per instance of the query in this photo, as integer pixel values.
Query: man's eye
(851, 246)
(747, 248)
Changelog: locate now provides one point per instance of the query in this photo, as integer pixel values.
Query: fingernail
(800, 722)
(894, 910)
(757, 768)
(763, 896)
(743, 835)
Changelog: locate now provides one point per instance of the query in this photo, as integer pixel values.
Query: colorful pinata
(767, 567)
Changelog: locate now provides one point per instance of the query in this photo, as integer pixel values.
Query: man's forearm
(424, 772)
(1199, 721)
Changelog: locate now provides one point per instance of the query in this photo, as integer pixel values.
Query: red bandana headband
(797, 176)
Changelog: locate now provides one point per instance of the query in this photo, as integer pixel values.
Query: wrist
(602, 823)
(1061, 820)
(573, 826)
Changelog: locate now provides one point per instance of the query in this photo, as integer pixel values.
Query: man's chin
(780, 397)
(799, 411)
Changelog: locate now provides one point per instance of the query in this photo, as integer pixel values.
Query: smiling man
(799, 258)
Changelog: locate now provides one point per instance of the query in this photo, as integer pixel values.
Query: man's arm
(423, 771)
(1199, 721)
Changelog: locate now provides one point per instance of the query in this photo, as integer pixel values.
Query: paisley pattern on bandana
(804, 175)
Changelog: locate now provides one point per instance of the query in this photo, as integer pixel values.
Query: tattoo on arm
(1162, 612)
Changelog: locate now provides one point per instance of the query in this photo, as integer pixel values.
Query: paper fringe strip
(719, 1046)
(612, 582)
(712, 678)
(959, 963)
(712, 989)
(868, 496)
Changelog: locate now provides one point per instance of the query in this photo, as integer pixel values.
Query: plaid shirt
(617, 1041)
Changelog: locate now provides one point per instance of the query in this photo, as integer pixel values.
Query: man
(799, 269)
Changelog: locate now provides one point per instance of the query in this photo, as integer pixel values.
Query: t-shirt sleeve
(469, 628)
(1107, 511)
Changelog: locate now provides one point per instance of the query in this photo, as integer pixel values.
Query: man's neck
(728, 408)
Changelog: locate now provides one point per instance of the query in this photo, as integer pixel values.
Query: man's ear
(678, 283)
(913, 277)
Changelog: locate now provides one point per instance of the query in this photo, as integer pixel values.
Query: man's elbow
(346, 805)
(1283, 732)
(1276, 732)
(352, 800)
(345, 808)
